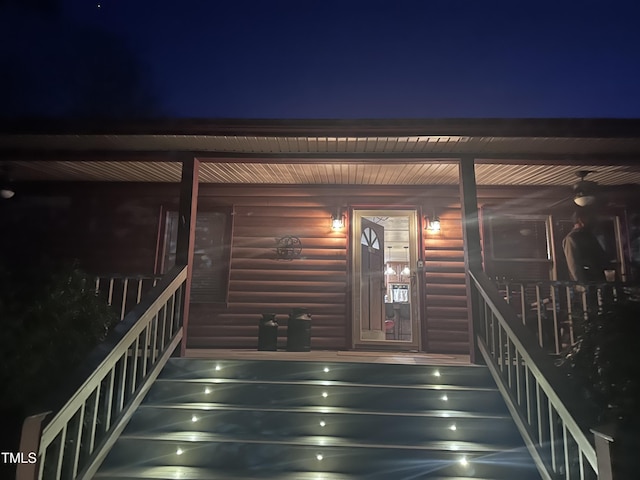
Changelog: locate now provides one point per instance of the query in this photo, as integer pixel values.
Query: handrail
(536, 391)
(95, 405)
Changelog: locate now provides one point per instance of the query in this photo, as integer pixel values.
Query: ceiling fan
(589, 193)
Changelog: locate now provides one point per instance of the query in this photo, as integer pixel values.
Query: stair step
(376, 462)
(380, 398)
(305, 420)
(196, 437)
(359, 373)
(398, 428)
(199, 473)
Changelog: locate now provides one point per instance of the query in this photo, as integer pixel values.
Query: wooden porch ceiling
(519, 152)
(323, 173)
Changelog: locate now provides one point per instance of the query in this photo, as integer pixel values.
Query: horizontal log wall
(260, 282)
(319, 280)
(128, 215)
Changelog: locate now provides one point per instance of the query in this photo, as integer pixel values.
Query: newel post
(603, 442)
(472, 247)
(32, 429)
(186, 237)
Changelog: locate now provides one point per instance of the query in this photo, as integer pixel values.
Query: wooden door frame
(416, 244)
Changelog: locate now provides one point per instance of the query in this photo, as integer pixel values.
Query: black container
(268, 332)
(299, 331)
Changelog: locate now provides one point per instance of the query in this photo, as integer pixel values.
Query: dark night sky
(333, 58)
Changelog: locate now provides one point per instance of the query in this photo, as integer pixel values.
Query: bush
(51, 319)
(604, 362)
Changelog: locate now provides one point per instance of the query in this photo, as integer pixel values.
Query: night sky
(320, 58)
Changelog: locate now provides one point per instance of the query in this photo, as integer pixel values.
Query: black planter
(299, 331)
(268, 332)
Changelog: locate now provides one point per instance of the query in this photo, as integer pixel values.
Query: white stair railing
(73, 434)
(536, 392)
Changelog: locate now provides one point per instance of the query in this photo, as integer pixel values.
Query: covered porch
(115, 197)
(117, 193)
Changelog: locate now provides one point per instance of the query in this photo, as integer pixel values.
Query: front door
(372, 285)
(385, 280)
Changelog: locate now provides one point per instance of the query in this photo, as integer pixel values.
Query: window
(400, 293)
(211, 256)
(370, 239)
(517, 246)
(520, 238)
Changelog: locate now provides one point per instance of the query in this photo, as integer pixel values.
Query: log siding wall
(129, 216)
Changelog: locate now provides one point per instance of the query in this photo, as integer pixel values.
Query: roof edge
(473, 127)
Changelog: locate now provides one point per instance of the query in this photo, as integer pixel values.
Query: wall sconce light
(337, 220)
(432, 224)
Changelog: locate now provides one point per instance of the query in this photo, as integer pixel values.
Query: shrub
(51, 319)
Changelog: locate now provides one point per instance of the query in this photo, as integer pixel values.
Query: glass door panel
(385, 293)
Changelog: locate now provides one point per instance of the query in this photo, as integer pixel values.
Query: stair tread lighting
(268, 420)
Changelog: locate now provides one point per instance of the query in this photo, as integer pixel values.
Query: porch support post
(186, 238)
(472, 248)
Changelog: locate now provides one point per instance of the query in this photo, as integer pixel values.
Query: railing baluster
(154, 342)
(139, 295)
(529, 395)
(518, 378)
(163, 338)
(539, 413)
(134, 366)
(123, 383)
(125, 288)
(110, 393)
(145, 351)
(523, 304)
(552, 436)
(570, 315)
(63, 441)
(501, 359)
(539, 314)
(110, 296)
(94, 418)
(78, 440)
(556, 330)
(565, 441)
(509, 364)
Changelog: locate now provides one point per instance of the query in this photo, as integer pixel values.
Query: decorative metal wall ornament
(288, 248)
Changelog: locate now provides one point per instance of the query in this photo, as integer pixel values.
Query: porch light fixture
(7, 193)
(389, 270)
(406, 270)
(337, 220)
(432, 224)
(6, 189)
